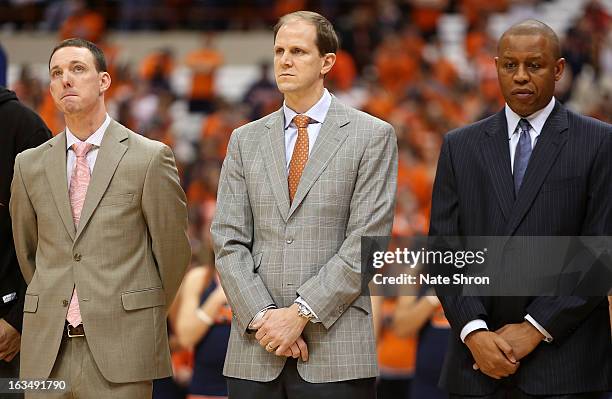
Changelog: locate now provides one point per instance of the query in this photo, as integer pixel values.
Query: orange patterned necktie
(79, 181)
(300, 154)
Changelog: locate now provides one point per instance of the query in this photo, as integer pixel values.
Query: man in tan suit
(99, 222)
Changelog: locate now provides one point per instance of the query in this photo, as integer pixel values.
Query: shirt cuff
(547, 337)
(259, 316)
(473, 325)
(303, 302)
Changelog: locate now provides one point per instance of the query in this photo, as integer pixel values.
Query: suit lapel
(496, 154)
(330, 137)
(551, 141)
(55, 169)
(110, 153)
(273, 153)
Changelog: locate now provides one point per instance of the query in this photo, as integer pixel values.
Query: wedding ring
(269, 348)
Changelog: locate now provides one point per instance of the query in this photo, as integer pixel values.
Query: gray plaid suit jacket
(269, 251)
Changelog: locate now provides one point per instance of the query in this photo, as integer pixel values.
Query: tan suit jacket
(126, 257)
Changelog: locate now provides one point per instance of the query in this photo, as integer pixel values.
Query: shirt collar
(95, 138)
(318, 112)
(536, 120)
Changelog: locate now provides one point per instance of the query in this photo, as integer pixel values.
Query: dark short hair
(99, 59)
(327, 39)
(534, 27)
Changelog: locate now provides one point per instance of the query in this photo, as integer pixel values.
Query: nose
(67, 79)
(521, 75)
(286, 59)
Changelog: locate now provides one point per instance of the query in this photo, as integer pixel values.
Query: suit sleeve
(232, 233)
(445, 222)
(562, 315)
(25, 227)
(165, 212)
(338, 282)
(15, 316)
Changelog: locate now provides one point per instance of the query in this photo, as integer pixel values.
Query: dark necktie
(522, 154)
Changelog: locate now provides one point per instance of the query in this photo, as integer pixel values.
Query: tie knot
(524, 125)
(81, 149)
(301, 121)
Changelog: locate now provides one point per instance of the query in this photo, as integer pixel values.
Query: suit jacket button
(77, 257)
(289, 241)
(65, 302)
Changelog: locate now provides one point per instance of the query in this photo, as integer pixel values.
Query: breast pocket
(116, 199)
(560, 184)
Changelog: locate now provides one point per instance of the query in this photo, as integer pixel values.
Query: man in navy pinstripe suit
(533, 169)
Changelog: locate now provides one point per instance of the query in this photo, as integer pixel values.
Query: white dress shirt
(95, 139)
(537, 121)
(317, 114)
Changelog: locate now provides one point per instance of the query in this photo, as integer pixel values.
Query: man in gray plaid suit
(298, 190)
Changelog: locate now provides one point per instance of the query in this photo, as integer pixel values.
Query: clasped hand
(280, 331)
(10, 340)
(497, 354)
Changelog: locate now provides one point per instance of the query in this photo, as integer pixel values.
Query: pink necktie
(78, 189)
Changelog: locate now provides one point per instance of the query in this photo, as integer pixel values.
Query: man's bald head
(534, 27)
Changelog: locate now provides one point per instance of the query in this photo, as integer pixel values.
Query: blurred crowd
(394, 64)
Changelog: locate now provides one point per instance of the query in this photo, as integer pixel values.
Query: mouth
(522, 94)
(68, 95)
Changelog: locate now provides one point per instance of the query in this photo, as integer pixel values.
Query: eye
(278, 51)
(534, 65)
(297, 51)
(56, 73)
(79, 68)
(509, 65)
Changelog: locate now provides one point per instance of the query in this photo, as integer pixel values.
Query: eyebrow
(71, 63)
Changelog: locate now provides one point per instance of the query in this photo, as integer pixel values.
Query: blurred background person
(203, 325)
(422, 317)
(20, 129)
(203, 64)
(396, 354)
(3, 66)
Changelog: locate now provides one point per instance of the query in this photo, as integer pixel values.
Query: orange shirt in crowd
(417, 178)
(154, 62)
(396, 69)
(396, 356)
(344, 72)
(203, 63)
(49, 113)
(87, 25)
(283, 7)
(475, 42)
(380, 103)
(426, 18)
(473, 10)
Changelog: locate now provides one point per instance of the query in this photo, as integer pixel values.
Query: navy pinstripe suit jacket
(567, 191)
